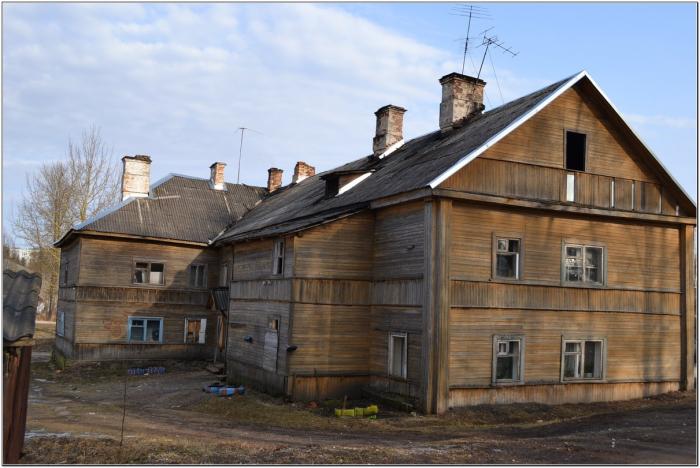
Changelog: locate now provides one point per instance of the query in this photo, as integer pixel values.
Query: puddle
(63, 435)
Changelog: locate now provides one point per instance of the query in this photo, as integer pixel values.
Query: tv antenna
(470, 12)
(240, 150)
(489, 41)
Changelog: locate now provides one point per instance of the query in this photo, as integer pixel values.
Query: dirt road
(75, 416)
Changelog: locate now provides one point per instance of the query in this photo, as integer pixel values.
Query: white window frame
(570, 187)
(521, 359)
(193, 279)
(142, 341)
(582, 342)
(612, 193)
(278, 257)
(583, 246)
(202, 338)
(60, 323)
(518, 256)
(390, 356)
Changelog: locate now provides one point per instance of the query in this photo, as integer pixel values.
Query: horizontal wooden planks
(399, 238)
(253, 260)
(524, 296)
(645, 348)
(331, 291)
(135, 295)
(638, 256)
(340, 250)
(264, 290)
(398, 292)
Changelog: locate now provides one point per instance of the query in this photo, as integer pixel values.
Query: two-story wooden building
(534, 252)
(136, 280)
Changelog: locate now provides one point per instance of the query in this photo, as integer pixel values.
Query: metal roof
(20, 296)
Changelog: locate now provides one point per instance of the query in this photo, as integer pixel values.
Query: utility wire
(496, 76)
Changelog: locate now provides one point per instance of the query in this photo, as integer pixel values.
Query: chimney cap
(218, 163)
(389, 107)
(139, 157)
(458, 76)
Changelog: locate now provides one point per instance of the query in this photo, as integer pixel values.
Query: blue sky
(175, 81)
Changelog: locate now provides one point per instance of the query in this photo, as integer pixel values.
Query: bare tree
(61, 194)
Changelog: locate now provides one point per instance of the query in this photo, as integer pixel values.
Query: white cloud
(661, 121)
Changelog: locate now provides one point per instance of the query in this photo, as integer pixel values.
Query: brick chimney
(136, 176)
(302, 171)
(274, 179)
(389, 128)
(462, 97)
(217, 176)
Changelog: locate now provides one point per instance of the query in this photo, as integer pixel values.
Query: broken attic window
(278, 258)
(148, 273)
(575, 151)
(332, 186)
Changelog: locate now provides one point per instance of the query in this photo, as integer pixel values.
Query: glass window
(507, 366)
(197, 276)
(223, 275)
(508, 258)
(148, 273)
(397, 355)
(583, 359)
(145, 329)
(583, 264)
(278, 257)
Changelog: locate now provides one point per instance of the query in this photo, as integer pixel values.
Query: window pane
(506, 265)
(573, 347)
(136, 331)
(505, 366)
(593, 365)
(574, 274)
(398, 343)
(153, 330)
(571, 366)
(140, 272)
(594, 261)
(502, 245)
(573, 252)
(514, 245)
(157, 267)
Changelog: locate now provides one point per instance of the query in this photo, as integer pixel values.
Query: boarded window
(507, 258)
(397, 355)
(582, 359)
(145, 329)
(584, 264)
(148, 273)
(198, 277)
(278, 257)
(507, 359)
(575, 151)
(195, 330)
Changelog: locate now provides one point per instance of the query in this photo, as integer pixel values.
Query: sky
(176, 81)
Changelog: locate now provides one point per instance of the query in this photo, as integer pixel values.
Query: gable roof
(421, 163)
(178, 208)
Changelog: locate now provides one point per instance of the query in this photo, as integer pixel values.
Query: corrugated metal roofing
(180, 208)
(413, 166)
(20, 296)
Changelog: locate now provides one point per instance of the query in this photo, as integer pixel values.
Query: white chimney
(217, 176)
(136, 176)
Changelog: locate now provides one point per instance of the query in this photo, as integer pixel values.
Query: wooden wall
(529, 163)
(70, 257)
(109, 262)
(639, 256)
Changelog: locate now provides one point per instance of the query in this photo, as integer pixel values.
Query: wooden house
(534, 252)
(138, 281)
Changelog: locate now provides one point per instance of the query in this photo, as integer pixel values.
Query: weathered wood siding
(109, 262)
(70, 258)
(640, 347)
(253, 260)
(640, 256)
(529, 163)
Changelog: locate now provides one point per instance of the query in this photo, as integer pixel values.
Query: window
(146, 329)
(612, 193)
(397, 355)
(583, 264)
(223, 275)
(198, 277)
(195, 331)
(575, 151)
(60, 323)
(278, 258)
(273, 324)
(332, 186)
(582, 359)
(507, 359)
(148, 273)
(507, 263)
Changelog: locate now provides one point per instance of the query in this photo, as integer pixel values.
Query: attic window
(332, 186)
(575, 151)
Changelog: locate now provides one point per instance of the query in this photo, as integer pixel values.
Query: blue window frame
(145, 329)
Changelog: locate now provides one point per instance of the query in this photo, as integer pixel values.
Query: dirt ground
(75, 416)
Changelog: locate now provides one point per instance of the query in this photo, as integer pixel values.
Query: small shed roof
(20, 296)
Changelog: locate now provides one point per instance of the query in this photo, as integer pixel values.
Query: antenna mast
(470, 12)
(493, 40)
(240, 151)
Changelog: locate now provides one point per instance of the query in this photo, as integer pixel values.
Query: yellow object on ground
(371, 410)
